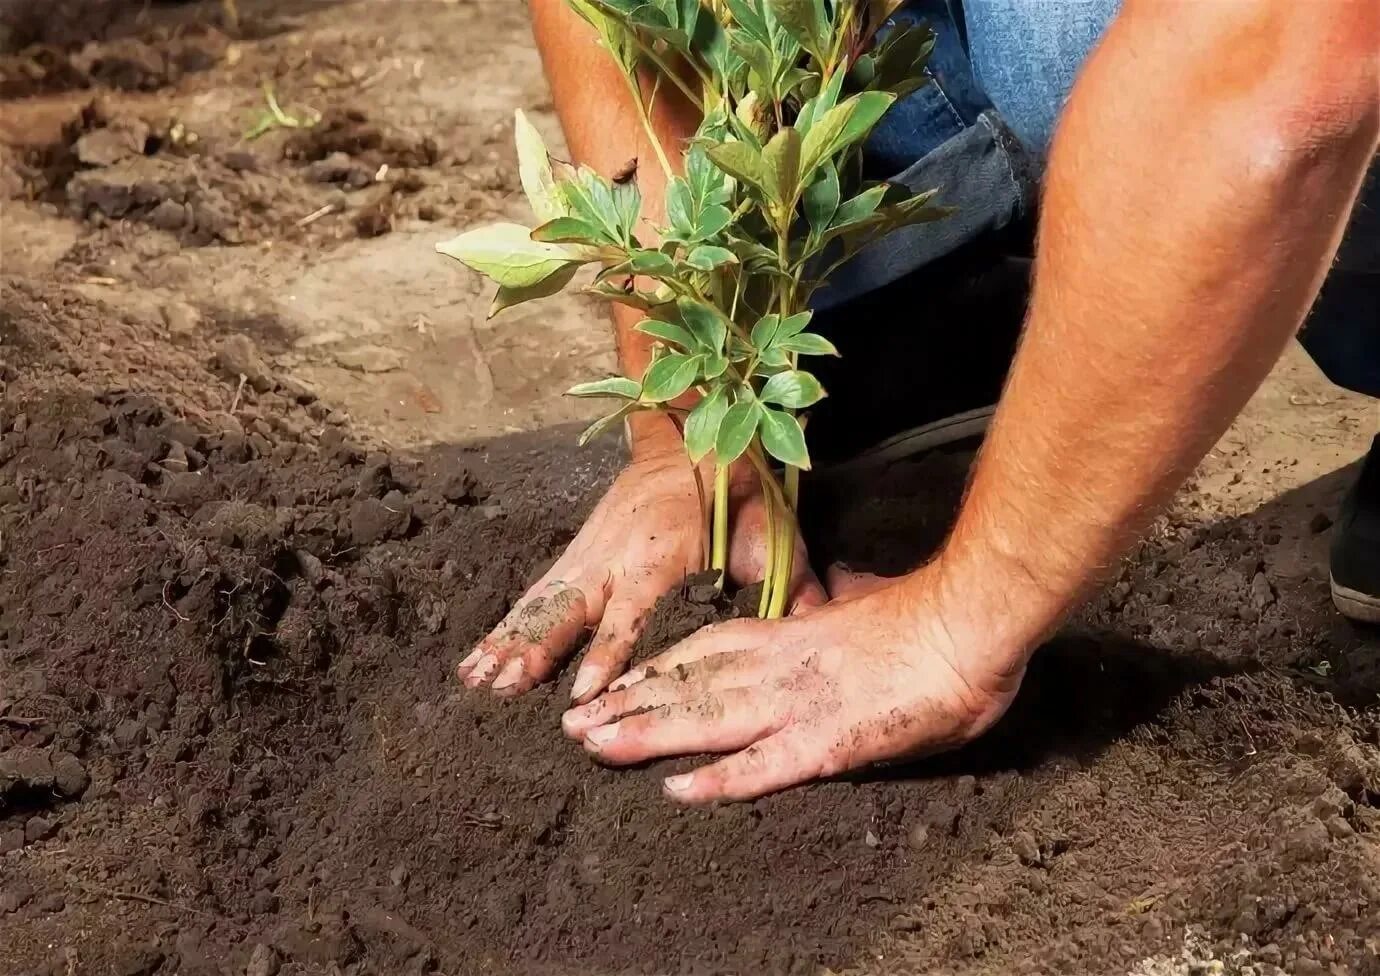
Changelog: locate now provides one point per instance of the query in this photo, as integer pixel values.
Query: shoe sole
(1354, 604)
(912, 443)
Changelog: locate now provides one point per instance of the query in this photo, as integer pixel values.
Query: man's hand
(642, 540)
(868, 677)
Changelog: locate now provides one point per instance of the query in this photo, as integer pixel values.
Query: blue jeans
(1001, 72)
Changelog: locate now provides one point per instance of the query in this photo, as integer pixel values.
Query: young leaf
(706, 324)
(534, 170)
(508, 297)
(604, 423)
(822, 199)
(707, 257)
(841, 127)
(781, 166)
(783, 438)
(669, 377)
(794, 388)
(668, 332)
(613, 386)
(702, 426)
(507, 254)
(739, 161)
(807, 344)
(570, 230)
(736, 429)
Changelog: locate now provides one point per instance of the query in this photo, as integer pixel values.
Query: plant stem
(768, 574)
(635, 87)
(719, 559)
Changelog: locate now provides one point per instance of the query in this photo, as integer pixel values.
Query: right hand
(643, 539)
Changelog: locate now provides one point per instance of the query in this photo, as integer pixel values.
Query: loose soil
(230, 608)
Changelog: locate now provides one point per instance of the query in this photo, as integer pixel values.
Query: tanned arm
(604, 132)
(1199, 184)
(1200, 181)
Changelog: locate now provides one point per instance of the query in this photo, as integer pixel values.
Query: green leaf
(612, 207)
(781, 166)
(613, 386)
(801, 20)
(764, 332)
(740, 161)
(650, 263)
(736, 430)
(706, 324)
(794, 324)
(707, 257)
(507, 254)
(858, 208)
(841, 127)
(702, 426)
(668, 332)
(604, 423)
(534, 169)
(508, 297)
(784, 439)
(807, 344)
(747, 15)
(794, 388)
(669, 377)
(822, 199)
(570, 230)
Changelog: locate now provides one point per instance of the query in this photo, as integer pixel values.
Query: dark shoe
(1355, 570)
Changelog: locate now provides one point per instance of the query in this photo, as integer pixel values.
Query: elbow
(1324, 107)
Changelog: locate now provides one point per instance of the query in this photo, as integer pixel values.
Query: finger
(528, 644)
(776, 762)
(845, 584)
(748, 558)
(679, 685)
(625, 617)
(722, 638)
(719, 721)
(807, 594)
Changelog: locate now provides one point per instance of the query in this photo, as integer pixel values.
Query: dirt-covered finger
(717, 721)
(535, 636)
(723, 638)
(683, 683)
(624, 619)
(774, 763)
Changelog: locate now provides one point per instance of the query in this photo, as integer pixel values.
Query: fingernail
(509, 675)
(603, 734)
(481, 670)
(585, 679)
(475, 655)
(678, 784)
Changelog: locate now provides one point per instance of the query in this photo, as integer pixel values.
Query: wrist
(652, 433)
(987, 602)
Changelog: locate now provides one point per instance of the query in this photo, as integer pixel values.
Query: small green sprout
(273, 117)
(767, 202)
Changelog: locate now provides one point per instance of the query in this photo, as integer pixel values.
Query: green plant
(768, 201)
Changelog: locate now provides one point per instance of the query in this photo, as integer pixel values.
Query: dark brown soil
(230, 741)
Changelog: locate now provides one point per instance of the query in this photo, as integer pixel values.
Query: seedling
(766, 201)
(273, 117)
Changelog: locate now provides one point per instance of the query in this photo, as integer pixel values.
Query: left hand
(877, 674)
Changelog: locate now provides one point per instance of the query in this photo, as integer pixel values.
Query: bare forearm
(1195, 199)
(604, 131)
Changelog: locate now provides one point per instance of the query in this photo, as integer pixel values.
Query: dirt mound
(227, 647)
